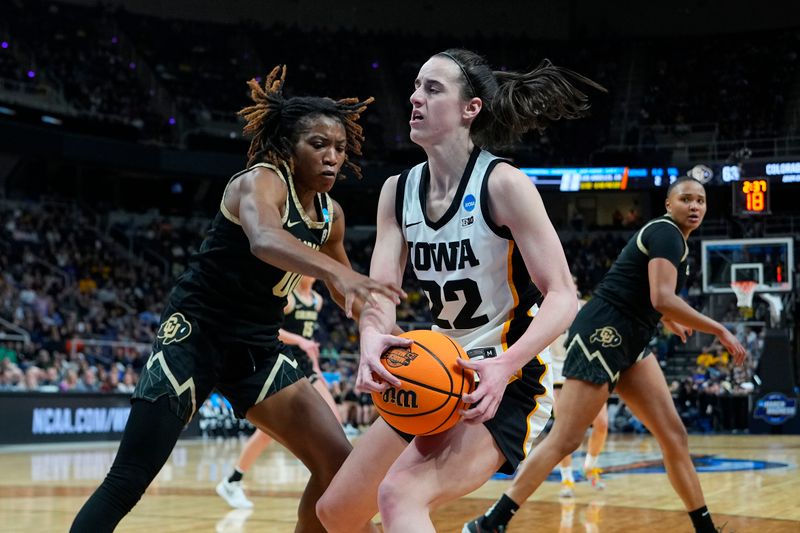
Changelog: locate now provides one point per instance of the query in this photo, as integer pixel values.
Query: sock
(500, 513)
(566, 473)
(590, 461)
(701, 520)
(236, 476)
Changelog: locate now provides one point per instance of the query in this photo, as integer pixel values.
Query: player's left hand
(494, 374)
(311, 347)
(678, 329)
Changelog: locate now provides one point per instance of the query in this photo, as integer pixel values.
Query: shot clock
(751, 197)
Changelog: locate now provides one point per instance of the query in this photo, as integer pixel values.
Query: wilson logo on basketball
(607, 336)
(401, 398)
(396, 357)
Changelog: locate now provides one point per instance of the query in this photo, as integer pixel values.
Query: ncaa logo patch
(174, 329)
(397, 357)
(606, 336)
(469, 202)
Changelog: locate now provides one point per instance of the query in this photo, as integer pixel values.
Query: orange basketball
(429, 399)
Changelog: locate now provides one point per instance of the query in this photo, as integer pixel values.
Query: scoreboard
(751, 197)
(575, 179)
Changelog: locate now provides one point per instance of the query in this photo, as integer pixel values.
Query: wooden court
(754, 487)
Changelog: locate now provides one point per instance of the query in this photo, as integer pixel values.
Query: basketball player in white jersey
(479, 240)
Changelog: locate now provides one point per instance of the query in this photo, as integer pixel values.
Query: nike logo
(413, 224)
(292, 224)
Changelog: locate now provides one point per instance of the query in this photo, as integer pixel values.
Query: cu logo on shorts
(397, 357)
(607, 336)
(174, 329)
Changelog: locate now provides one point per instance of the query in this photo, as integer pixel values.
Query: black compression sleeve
(150, 435)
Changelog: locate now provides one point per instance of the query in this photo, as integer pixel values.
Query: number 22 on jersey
(455, 290)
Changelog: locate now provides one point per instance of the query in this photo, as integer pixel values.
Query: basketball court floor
(751, 483)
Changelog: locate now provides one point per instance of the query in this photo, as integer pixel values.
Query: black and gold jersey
(238, 295)
(627, 284)
(302, 319)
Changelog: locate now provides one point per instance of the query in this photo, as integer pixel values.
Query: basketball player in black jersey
(300, 322)
(220, 325)
(607, 348)
(476, 232)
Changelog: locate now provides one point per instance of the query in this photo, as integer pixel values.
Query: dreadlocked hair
(275, 123)
(517, 102)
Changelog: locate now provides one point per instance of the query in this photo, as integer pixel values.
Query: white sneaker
(233, 493)
(567, 489)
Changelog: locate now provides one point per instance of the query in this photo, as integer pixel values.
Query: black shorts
(306, 366)
(364, 399)
(522, 414)
(603, 343)
(351, 396)
(188, 362)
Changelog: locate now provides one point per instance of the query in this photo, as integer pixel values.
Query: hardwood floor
(751, 483)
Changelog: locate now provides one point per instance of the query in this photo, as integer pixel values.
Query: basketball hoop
(744, 291)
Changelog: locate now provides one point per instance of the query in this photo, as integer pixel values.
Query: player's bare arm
(378, 316)
(663, 278)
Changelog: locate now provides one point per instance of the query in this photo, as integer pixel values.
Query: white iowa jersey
(479, 289)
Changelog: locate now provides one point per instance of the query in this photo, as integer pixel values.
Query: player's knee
(333, 514)
(600, 424)
(335, 456)
(328, 515)
(394, 494)
(130, 481)
(675, 439)
(565, 441)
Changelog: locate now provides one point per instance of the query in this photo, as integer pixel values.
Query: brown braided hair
(275, 123)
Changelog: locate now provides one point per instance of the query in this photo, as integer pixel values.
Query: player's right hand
(357, 287)
(372, 375)
(734, 347)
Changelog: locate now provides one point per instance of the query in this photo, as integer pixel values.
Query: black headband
(464, 72)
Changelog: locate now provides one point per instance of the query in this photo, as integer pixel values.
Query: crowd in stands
(159, 75)
(63, 282)
(714, 395)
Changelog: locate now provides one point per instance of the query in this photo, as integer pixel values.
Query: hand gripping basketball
(428, 399)
(372, 376)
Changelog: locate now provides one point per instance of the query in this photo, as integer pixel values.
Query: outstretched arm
(261, 195)
(663, 278)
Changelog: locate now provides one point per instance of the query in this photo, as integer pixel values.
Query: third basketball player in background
(608, 348)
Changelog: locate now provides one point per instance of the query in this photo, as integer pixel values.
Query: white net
(744, 291)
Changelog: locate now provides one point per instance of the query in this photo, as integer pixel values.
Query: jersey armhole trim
(399, 196)
(501, 231)
(643, 248)
(226, 212)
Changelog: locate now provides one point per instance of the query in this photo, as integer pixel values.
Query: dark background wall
(545, 19)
